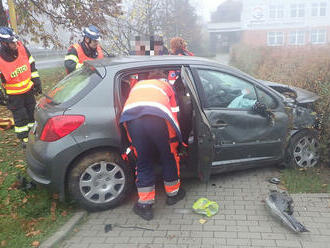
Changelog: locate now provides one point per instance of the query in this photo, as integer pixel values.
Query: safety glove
(37, 88)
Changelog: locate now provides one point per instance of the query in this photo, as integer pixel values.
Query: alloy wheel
(102, 182)
(305, 152)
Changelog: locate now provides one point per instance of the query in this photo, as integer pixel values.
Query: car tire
(303, 149)
(100, 181)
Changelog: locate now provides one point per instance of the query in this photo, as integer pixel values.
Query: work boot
(171, 200)
(143, 210)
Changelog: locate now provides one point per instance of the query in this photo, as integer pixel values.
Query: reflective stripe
(152, 104)
(35, 74)
(18, 85)
(176, 109)
(26, 140)
(30, 125)
(16, 92)
(149, 86)
(172, 188)
(31, 60)
(78, 66)
(21, 129)
(72, 57)
(146, 195)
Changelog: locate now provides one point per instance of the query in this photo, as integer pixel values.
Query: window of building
(297, 38)
(319, 9)
(275, 38)
(297, 10)
(276, 11)
(323, 9)
(318, 36)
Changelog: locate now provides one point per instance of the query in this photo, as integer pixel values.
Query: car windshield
(72, 84)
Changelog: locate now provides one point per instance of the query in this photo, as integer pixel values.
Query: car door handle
(219, 123)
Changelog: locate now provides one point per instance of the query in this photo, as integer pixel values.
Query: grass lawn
(26, 216)
(313, 180)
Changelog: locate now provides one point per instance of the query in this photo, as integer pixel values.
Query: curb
(64, 230)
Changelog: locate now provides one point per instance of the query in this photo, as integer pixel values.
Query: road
(49, 63)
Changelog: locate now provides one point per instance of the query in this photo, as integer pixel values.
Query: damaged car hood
(300, 95)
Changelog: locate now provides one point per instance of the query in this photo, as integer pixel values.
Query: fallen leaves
(35, 243)
(20, 166)
(33, 233)
(3, 243)
(56, 196)
(25, 199)
(53, 210)
(64, 213)
(14, 185)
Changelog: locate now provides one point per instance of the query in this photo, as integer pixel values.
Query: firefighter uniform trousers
(22, 107)
(150, 134)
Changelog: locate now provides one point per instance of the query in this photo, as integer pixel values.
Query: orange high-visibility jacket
(83, 57)
(17, 73)
(152, 97)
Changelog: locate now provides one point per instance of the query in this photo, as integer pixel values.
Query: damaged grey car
(236, 122)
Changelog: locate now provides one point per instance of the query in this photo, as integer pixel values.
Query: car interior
(222, 92)
(185, 116)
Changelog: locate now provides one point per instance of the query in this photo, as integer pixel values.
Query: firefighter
(88, 49)
(20, 80)
(150, 119)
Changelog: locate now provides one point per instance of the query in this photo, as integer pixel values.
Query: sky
(206, 7)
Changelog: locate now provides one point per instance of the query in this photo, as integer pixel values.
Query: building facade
(279, 23)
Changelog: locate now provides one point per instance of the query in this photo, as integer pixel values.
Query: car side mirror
(260, 108)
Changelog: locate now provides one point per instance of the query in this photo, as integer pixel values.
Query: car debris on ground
(280, 205)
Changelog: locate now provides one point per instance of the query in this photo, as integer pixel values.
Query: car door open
(204, 140)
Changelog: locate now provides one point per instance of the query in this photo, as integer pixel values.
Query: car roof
(154, 60)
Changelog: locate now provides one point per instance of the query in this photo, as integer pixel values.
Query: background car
(237, 122)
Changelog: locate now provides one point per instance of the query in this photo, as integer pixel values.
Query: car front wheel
(100, 181)
(304, 149)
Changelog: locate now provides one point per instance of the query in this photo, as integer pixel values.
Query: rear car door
(241, 135)
(204, 139)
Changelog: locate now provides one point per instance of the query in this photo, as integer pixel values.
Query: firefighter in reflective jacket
(88, 49)
(150, 118)
(20, 80)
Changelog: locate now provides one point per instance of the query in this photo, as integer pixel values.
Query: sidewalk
(242, 221)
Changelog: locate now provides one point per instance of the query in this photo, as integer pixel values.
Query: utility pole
(12, 15)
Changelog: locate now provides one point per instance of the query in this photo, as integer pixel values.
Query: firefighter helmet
(7, 35)
(92, 32)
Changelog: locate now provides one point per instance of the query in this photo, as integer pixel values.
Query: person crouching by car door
(20, 80)
(150, 118)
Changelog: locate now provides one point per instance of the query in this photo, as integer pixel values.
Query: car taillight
(59, 126)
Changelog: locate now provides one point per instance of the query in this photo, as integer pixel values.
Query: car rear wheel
(304, 149)
(100, 181)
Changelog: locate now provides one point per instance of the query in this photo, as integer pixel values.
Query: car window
(223, 90)
(266, 99)
(73, 84)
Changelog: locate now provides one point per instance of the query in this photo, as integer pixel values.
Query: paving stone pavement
(242, 221)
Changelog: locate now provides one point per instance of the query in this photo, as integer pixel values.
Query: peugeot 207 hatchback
(237, 122)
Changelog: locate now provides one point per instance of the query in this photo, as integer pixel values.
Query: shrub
(307, 67)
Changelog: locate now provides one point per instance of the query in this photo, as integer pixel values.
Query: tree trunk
(3, 16)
